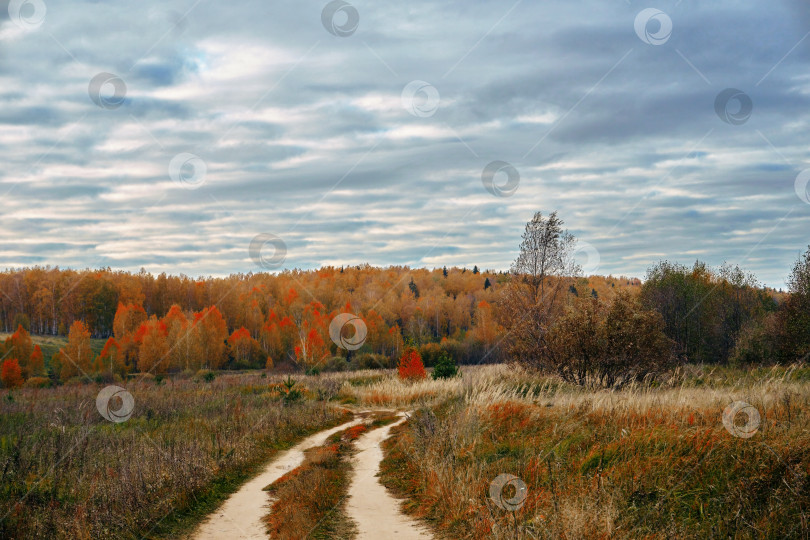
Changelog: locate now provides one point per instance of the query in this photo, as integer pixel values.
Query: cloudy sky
(168, 135)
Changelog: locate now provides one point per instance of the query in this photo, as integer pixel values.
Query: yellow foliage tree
(77, 356)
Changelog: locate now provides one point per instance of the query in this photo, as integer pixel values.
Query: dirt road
(240, 516)
(370, 506)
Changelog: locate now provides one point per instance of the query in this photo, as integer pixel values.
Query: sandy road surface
(375, 512)
(240, 515)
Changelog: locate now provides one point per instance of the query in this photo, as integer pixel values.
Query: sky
(209, 138)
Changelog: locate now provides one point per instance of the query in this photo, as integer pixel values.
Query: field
(69, 473)
(652, 461)
(640, 463)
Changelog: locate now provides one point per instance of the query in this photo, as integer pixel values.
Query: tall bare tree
(540, 276)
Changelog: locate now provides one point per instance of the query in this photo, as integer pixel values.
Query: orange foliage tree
(208, 335)
(77, 356)
(111, 359)
(20, 346)
(11, 374)
(244, 350)
(152, 354)
(179, 346)
(37, 364)
(313, 335)
(128, 319)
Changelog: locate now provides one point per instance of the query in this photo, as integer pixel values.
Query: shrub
(206, 375)
(370, 361)
(411, 366)
(431, 353)
(607, 345)
(445, 367)
(104, 377)
(460, 351)
(290, 394)
(313, 370)
(757, 343)
(334, 363)
(38, 382)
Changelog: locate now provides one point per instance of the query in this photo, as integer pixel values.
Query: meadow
(642, 462)
(67, 472)
(651, 460)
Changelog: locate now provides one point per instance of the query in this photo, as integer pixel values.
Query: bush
(411, 366)
(104, 377)
(334, 363)
(466, 351)
(445, 367)
(757, 343)
(460, 351)
(611, 345)
(38, 382)
(206, 375)
(370, 361)
(431, 353)
(290, 394)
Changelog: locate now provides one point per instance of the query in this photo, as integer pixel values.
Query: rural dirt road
(375, 512)
(369, 504)
(240, 515)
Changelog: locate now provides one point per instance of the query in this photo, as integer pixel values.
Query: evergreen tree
(414, 289)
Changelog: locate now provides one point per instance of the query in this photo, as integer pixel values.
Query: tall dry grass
(644, 461)
(66, 472)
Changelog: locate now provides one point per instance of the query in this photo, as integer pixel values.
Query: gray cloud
(304, 135)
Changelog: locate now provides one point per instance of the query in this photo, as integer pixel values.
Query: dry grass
(482, 385)
(644, 461)
(650, 460)
(391, 391)
(65, 472)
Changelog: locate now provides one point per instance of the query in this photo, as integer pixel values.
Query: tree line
(607, 330)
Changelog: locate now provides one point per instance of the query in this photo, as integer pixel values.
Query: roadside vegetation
(66, 472)
(642, 461)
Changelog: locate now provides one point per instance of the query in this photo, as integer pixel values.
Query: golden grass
(643, 461)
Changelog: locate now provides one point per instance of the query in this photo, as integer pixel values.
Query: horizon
(146, 136)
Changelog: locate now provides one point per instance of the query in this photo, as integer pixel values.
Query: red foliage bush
(411, 366)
